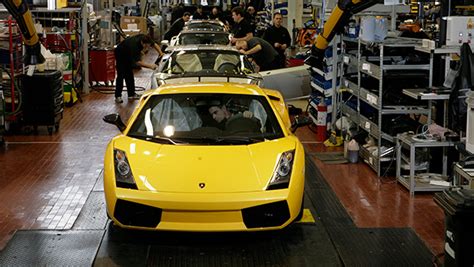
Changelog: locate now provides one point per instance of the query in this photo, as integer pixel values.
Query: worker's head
(241, 45)
(237, 14)
(215, 11)
(219, 113)
(146, 42)
(199, 9)
(251, 10)
(186, 16)
(277, 19)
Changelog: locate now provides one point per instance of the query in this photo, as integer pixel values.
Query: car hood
(206, 169)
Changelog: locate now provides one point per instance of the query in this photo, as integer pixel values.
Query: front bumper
(253, 211)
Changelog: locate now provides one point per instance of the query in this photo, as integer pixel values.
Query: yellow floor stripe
(307, 217)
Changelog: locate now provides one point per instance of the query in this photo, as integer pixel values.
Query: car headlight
(123, 172)
(282, 174)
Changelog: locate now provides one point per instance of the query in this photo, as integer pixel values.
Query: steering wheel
(227, 67)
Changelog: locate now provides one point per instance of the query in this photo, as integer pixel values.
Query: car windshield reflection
(205, 26)
(206, 119)
(190, 38)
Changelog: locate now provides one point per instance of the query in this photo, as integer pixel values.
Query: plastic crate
(320, 81)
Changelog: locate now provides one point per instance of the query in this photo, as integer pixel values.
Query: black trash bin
(458, 206)
(43, 99)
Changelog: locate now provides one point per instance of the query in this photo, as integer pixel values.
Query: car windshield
(206, 119)
(190, 38)
(206, 62)
(205, 26)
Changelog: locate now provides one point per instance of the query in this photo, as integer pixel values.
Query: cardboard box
(133, 25)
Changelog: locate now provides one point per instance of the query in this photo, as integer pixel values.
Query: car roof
(195, 47)
(209, 87)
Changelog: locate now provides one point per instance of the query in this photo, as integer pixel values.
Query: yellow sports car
(205, 157)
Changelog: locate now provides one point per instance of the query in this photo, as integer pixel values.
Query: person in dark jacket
(261, 51)
(250, 16)
(199, 14)
(128, 56)
(257, 4)
(177, 26)
(279, 37)
(177, 12)
(215, 14)
(241, 29)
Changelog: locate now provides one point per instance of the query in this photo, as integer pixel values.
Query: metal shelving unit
(410, 181)
(331, 74)
(375, 67)
(463, 177)
(12, 67)
(65, 31)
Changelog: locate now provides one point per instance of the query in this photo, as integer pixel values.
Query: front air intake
(134, 214)
(268, 215)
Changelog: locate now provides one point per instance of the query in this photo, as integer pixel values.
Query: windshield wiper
(266, 136)
(157, 139)
(227, 139)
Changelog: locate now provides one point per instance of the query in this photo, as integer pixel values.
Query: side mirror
(300, 122)
(115, 120)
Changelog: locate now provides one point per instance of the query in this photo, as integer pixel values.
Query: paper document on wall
(394, 2)
(132, 26)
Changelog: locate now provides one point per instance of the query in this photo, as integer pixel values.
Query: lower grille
(134, 214)
(268, 215)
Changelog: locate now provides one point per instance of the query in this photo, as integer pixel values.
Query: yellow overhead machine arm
(335, 23)
(22, 15)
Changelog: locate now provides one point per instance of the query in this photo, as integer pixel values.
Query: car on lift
(204, 63)
(198, 36)
(207, 156)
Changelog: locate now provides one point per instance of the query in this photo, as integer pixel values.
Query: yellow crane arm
(21, 13)
(339, 17)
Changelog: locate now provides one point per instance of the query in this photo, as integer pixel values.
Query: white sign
(393, 2)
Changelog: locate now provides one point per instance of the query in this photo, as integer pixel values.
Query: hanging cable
(18, 94)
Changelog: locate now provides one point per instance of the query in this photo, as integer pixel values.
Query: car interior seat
(170, 112)
(226, 63)
(188, 63)
(259, 112)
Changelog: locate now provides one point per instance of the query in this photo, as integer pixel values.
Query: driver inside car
(234, 121)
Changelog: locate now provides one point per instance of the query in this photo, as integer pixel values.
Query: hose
(8, 93)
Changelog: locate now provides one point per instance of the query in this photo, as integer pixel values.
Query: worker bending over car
(128, 56)
(177, 26)
(260, 51)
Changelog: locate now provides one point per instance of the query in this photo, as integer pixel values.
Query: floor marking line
(311, 142)
(51, 142)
